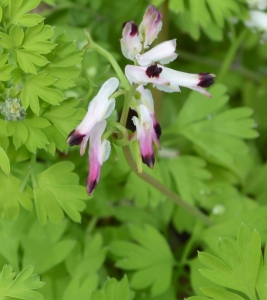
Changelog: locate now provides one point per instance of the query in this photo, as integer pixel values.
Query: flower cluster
(93, 126)
(148, 68)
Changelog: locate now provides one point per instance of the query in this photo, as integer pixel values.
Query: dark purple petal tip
(157, 129)
(206, 79)
(90, 186)
(153, 71)
(134, 28)
(149, 160)
(75, 138)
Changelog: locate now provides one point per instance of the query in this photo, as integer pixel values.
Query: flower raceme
(148, 68)
(93, 126)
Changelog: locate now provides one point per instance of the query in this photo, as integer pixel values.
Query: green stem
(92, 45)
(164, 190)
(126, 107)
(91, 225)
(230, 56)
(88, 79)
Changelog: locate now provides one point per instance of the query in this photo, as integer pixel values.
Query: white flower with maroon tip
(98, 153)
(130, 42)
(146, 135)
(99, 109)
(150, 26)
(147, 100)
(168, 80)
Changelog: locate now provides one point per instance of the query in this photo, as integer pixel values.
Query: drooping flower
(98, 153)
(130, 42)
(168, 80)
(99, 109)
(150, 26)
(145, 135)
(147, 100)
(163, 53)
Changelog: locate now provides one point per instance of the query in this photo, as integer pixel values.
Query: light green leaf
(67, 110)
(81, 287)
(28, 59)
(16, 229)
(4, 162)
(40, 86)
(189, 175)
(176, 6)
(5, 69)
(222, 10)
(114, 290)
(18, 8)
(150, 258)
(17, 35)
(11, 196)
(90, 261)
(44, 246)
(37, 38)
(146, 194)
(63, 60)
(262, 277)
(218, 134)
(6, 41)
(199, 12)
(35, 138)
(241, 264)
(219, 294)
(20, 286)
(57, 191)
(83, 269)
(30, 20)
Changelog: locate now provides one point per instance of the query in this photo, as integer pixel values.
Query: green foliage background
(128, 240)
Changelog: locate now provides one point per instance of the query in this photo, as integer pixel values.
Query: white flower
(168, 80)
(130, 43)
(150, 26)
(145, 135)
(99, 109)
(163, 53)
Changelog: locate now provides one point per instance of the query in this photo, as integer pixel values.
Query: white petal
(146, 98)
(136, 74)
(104, 151)
(163, 53)
(109, 108)
(108, 88)
(137, 125)
(96, 132)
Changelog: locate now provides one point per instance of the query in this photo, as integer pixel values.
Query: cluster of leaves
(239, 272)
(131, 242)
